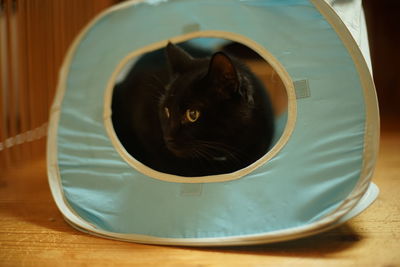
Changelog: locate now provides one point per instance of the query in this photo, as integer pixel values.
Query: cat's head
(205, 105)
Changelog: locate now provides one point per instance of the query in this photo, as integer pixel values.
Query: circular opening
(199, 107)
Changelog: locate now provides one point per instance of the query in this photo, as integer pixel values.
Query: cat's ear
(178, 60)
(223, 73)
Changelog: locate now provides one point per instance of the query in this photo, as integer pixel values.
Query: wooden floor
(33, 232)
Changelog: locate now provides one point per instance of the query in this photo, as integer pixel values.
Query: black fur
(235, 125)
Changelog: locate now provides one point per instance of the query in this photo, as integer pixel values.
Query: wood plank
(4, 154)
(21, 77)
(33, 232)
(10, 93)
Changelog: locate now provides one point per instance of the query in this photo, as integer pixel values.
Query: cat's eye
(166, 110)
(192, 115)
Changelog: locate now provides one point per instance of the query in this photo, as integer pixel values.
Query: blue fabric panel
(310, 176)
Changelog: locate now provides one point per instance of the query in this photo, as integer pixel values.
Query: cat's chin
(179, 150)
(181, 153)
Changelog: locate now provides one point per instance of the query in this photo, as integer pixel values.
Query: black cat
(192, 116)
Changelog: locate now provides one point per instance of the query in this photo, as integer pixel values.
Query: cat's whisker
(212, 165)
(227, 150)
(204, 154)
(210, 151)
(220, 145)
(198, 154)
